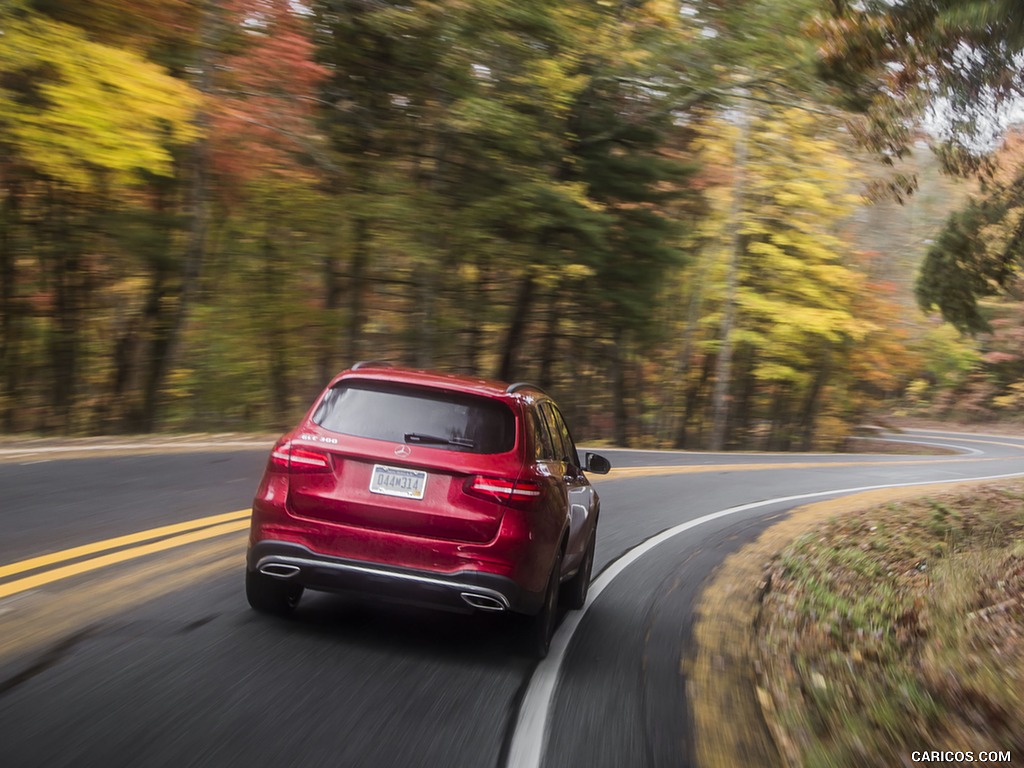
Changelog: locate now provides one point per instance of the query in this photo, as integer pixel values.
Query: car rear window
(417, 415)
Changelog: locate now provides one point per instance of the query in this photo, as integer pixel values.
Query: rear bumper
(462, 591)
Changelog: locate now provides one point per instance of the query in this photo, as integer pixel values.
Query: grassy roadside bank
(860, 630)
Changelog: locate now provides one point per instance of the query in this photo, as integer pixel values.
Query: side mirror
(597, 464)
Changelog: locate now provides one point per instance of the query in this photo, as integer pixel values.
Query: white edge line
(683, 452)
(531, 731)
(911, 430)
(962, 449)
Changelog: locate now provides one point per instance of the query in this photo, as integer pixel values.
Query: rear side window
(542, 447)
(560, 436)
(414, 415)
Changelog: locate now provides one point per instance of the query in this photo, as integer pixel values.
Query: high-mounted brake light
(503, 489)
(295, 458)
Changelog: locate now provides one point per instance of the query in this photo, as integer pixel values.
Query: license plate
(398, 481)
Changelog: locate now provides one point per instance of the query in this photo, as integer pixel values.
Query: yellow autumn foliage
(76, 110)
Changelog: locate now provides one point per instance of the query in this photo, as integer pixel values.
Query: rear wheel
(574, 592)
(269, 595)
(544, 623)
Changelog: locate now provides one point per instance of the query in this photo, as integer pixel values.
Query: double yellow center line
(46, 569)
(118, 550)
(626, 473)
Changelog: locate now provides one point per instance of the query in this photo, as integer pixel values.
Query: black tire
(574, 591)
(543, 625)
(269, 595)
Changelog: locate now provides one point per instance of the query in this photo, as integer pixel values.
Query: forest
(707, 224)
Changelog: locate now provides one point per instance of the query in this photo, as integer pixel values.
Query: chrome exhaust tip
(483, 602)
(280, 570)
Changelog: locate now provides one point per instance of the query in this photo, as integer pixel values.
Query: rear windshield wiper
(461, 442)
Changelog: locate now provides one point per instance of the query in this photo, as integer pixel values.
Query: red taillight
(279, 455)
(504, 490)
(298, 458)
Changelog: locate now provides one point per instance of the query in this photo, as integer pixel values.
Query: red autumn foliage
(263, 113)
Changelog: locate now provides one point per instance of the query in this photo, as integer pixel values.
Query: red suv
(429, 488)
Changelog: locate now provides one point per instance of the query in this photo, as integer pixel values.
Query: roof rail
(371, 364)
(523, 385)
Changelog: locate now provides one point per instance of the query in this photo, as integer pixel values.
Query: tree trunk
(121, 408)
(426, 295)
(782, 405)
(474, 321)
(360, 260)
(549, 344)
(674, 427)
(166, 342)
(431, 178)
(618, 374)
(143, 417)
(746, 385)
(720, 396)
(326, 364)
(812, 404)
(692, 400)
(276, 335)
(139, 334)
(68, 303)
(9, 341)
(123, 360)
(516, 329)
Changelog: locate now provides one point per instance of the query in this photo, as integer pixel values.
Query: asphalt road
(155, 659)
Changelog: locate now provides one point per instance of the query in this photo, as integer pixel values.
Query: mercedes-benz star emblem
(403, 450)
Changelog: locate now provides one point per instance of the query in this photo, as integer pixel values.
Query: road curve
(154, 659)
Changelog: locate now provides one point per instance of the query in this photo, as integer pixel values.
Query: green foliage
(892, 60)
(980, 251)
(959, 269)
(211, 207)
(949, 358)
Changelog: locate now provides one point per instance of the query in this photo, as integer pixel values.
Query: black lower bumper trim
(463, 591)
